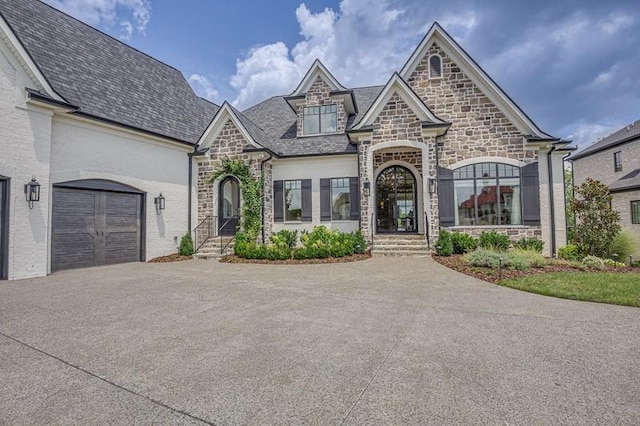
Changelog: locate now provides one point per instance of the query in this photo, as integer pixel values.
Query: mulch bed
(491, 275)
(346, 259)
(170, 258)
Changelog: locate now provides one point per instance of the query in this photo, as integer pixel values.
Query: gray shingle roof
(279, 123)
(105, 77)
(628, 181)
(627, 133)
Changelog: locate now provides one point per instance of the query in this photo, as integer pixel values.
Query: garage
(96, 222)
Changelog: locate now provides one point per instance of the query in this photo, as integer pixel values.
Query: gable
(317, 70)
(416, 66)
(227, 128)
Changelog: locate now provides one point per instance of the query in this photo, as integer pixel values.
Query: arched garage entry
(96, 222)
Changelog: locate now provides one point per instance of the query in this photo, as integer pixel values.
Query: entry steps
(211, 249)
(413, 245)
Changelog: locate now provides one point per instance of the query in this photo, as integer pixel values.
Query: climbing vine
(251, 191)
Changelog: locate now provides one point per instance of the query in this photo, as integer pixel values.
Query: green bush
(531, 244)
(491, 259)
(463, 243)
(536, 259)
(444, 244)
(278, 252)
(624, 244)
(492, 240)
(593, 262)
(186, 245)
(569, 252)
(286, 236)
(358, 241)
(613, 263)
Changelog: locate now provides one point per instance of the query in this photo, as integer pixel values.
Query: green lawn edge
(602, 287)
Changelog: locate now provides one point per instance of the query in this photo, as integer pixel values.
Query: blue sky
(572, 65)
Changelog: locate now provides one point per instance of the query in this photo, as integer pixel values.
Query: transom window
(320, 119)
(435, 66)
(635, 212)
(292, 200)
(340, 199)
(487, 194)
(617, 161)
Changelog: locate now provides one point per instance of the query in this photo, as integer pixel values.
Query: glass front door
(228, 206)
(396, 200)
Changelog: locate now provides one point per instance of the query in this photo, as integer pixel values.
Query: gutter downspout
(552, 210)
(262, 173)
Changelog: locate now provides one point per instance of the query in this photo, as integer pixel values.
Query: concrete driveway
(384, 341)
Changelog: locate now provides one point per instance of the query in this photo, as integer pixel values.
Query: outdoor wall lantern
(367, 187)
(433, 185)
(159, 202)
(32, 191)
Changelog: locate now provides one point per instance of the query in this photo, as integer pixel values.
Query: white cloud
(616, 21)
(362, 35)
(203, 87)
(584, 134)
(109, 13)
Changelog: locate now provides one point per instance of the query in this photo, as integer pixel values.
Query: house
(615, 161)
(120, 150)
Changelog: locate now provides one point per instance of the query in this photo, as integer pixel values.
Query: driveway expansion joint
(107, 381)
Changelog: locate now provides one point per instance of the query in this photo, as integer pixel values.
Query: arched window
(435, 66)
(487, 194)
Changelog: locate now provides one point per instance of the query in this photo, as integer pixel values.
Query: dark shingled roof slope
(106, 78)
(279, 123)
(628, 181)
(625, 134)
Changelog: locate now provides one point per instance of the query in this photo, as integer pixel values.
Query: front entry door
(396, 201)
(4, 227)
(228, 206)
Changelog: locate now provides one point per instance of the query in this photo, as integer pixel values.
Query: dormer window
(435, 66)
(320, 119)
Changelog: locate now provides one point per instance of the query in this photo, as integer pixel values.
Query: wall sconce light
(433, 185)
(367, 187)
(32, 191)
(159, 202)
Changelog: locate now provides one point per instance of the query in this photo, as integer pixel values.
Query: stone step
(207, 256)
(395, 247)
(384, 237)
(401, 253)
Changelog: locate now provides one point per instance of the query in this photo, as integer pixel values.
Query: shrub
(613, 263)
(278, 252)
(593, 262)
(186, 245)
(536, 259)
(597, 224)
(444, 244)
(463, 243)
(358, 241)
(569, 252)
(493, 241)
(491, 259)
(623, 245)
(518, 260)
(531, 244)
(286, 236)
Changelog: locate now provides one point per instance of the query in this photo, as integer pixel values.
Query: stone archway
(397, 206)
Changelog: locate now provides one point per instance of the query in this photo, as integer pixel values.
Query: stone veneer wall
(228, 144)
(514, 233)
(479, 128)
(409, 156)
(320, 94)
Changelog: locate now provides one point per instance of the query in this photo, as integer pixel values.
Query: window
(487, 194)
(635, 212)
(320, 119)
(292, 200)
(435, 66)
(340, 199)
(617, 161)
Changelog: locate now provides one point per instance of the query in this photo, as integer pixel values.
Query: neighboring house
(105, 129)
(615, 161)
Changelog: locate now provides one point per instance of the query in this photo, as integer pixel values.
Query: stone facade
(396, 122)
(513, 232)
(407, 156)
(320, 94)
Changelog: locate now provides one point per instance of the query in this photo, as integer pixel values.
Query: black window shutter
(530, 195)
(354, 197)
(446, 198)
(325, 200)
(278, 201)
(306, 200)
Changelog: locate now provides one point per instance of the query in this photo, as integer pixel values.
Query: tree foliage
(568, 194)
(251, 192)
(597, 224)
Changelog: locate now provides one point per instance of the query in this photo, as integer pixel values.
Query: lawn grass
(604, 287)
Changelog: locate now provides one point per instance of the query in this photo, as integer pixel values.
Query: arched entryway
(396, 201)
(228, 206)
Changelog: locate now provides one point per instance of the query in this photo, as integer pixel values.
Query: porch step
(400, 245)
(211, 249)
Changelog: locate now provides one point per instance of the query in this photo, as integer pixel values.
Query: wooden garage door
(92, 227)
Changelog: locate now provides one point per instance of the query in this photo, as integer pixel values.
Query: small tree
(597, 224)
(186, 245)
